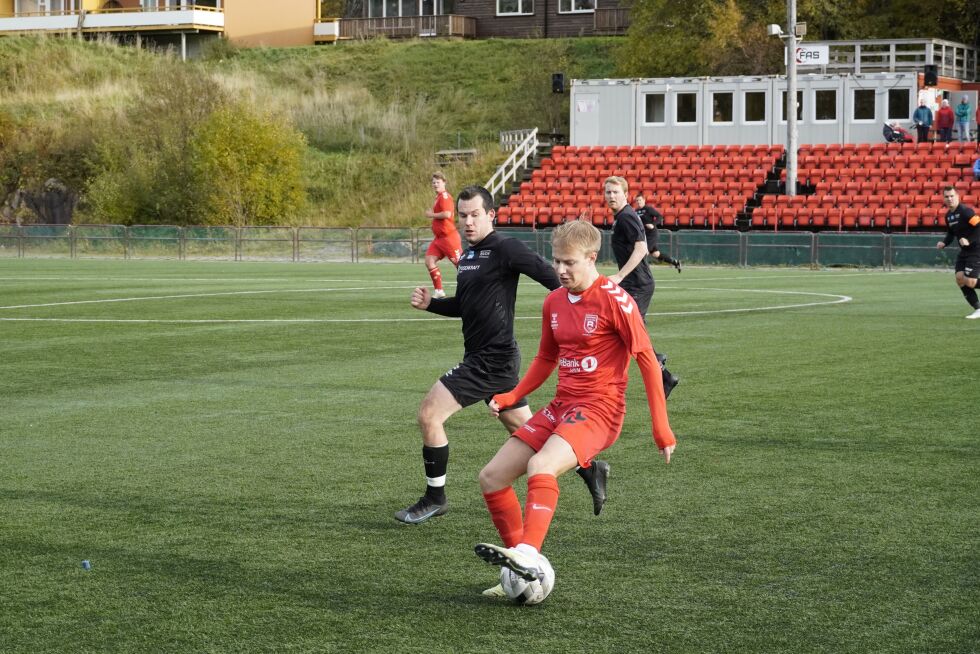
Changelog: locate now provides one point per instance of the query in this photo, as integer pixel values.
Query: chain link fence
(408, 245)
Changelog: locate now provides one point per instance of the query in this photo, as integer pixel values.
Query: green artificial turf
(226, 444)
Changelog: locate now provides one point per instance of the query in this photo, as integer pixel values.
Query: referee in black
(486, 293)
(963, 226)
(652, 220)
(629, 246)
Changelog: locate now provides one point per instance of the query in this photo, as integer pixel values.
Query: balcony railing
(611, 20)
(954, 60)
(103, 20)
(408, 27)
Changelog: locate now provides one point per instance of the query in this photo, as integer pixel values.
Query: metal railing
(880, 56)
(407, 27)
(515, 163)
(407, 245)
(111, 10)
(512, 139)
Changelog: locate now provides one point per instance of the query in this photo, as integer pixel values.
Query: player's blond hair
(618, 181)
(576, 235)
(439, 175)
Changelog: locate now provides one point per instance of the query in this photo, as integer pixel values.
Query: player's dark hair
(949, 187)
(471, 192)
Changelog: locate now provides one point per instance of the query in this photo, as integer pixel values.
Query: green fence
(382, 244)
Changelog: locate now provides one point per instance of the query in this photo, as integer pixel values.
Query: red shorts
(449, 247)
(589, 426)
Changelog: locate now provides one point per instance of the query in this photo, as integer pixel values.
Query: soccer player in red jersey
(446, 243)
(590, 329)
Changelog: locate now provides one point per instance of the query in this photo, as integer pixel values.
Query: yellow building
(184, 25)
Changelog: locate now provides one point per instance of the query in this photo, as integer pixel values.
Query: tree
(249, 166)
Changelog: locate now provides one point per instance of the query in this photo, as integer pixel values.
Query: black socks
(436, 460)
(971, 296)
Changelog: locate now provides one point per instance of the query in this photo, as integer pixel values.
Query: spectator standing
(963, 112)
(923, 121)
(944, 122)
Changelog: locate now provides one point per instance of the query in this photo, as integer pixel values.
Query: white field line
(833, 299)
(187, 295)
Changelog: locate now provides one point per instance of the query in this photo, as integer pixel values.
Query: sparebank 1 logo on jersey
(586, 364)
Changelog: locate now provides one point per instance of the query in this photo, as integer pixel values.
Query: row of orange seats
(733, 186)
(571, 150)
(685, 217)
(953, 175)
(885, 186)
(693, 160)
(894, 148)
(878, 219)
(632, 171)
(936, 160)
(848, 199)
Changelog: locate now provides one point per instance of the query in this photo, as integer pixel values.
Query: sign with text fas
(811, 55)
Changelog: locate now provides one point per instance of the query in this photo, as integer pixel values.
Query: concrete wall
(256, 23)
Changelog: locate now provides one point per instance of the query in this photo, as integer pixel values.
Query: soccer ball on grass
(528, 593)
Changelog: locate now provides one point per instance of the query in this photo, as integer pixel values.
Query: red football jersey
(443, 226)
(593, 339)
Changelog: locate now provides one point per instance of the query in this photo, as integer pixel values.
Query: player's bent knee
(542, 465)
(491, 480)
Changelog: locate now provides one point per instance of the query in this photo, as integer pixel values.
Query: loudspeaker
(931, 76)
(558, 82)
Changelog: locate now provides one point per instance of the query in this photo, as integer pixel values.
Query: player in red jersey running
(590, 329)
(446, 244)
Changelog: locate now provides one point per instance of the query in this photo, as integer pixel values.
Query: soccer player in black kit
(486, 292)
(652, 220)
(629, 246)
(963, 226)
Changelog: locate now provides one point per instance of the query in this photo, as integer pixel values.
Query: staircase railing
(516, 162)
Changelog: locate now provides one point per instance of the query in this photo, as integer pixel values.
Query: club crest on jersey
(470, 254)
(591, 322)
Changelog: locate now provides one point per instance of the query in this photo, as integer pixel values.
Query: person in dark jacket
(923, 121)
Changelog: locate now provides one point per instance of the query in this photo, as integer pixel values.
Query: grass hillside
(372, 113)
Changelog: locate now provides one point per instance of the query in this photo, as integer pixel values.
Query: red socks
(542, 500)
(436, 276)
(505, 511)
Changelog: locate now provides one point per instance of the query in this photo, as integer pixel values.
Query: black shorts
(641, 297)
(480, 377)
(969, 265)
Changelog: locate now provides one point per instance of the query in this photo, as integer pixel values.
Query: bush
(250, 166)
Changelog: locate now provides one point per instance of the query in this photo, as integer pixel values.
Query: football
(528, 593)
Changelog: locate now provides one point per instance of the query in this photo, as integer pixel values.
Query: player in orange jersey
(446, 244)
(590, 329)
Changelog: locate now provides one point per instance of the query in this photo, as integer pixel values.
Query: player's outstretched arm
(537, 373)
(653, 383)
(448, 306)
